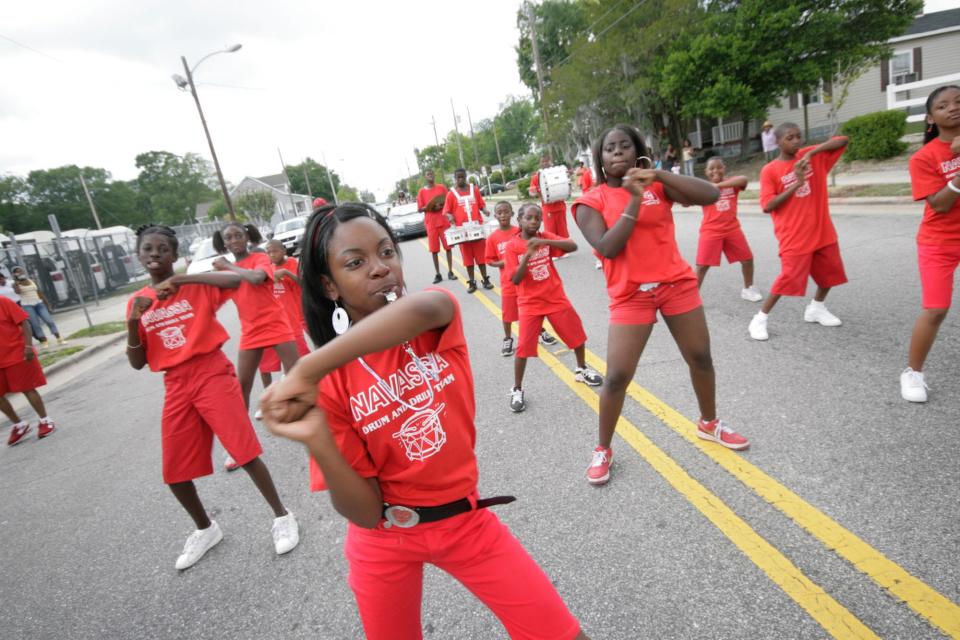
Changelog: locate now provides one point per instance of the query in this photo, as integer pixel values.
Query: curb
(86, 353)
(862, 200)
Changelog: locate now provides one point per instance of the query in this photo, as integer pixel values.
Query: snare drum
(473, 230)
(554, 184)
(454, 235)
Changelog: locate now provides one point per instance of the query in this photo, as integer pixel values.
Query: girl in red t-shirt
(263, 321)
(172, 327)
(935, 174)
(628, 219)
(386, 410)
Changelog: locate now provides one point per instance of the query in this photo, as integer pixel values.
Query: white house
(287, 205)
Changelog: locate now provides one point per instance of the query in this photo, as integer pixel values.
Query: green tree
(256, 205)
(367, 196)
(58, 191)
(560, 25)
(346, 193)
(171, 186)
(16, 215)
(319, 179)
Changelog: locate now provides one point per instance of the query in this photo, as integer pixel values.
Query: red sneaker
(46, 428)
(17, 432)
(599, 470)
(716, 431)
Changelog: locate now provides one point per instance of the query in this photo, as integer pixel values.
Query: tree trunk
(745, 138)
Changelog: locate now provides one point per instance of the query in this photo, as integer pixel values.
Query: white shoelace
(915, 379)
(516, 395)
(190, 547)
(599, 457)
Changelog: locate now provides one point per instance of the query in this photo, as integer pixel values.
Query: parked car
(204, 256)
(495, 187)
(290, 232)
(406, 222)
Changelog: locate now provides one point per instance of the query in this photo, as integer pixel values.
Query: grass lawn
(47, 358)
(852, 191)
(99, 330)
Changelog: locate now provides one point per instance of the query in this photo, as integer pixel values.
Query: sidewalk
(899, 176)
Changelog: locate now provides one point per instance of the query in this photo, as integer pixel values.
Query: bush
(523, 189)
(875, 136)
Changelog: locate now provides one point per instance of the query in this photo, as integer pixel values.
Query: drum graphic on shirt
(723, 204)
(422, 435)
(540, 272)
(172, 337)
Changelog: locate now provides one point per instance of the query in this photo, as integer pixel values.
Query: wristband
(134, 346)
(627, 215)
(952, 186)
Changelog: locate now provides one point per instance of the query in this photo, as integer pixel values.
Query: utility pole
(293, 204)
(306, 179)
(336, 200)
(497, 143)
(93, 209)
(532, 24)
(473, 139)
(436, 139)
(457, 131)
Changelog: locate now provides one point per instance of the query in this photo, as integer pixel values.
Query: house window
(901, 67)
(820, 96)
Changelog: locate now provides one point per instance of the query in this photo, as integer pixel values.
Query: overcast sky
(89, 82)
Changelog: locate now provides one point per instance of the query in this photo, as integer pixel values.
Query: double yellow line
(938, 610)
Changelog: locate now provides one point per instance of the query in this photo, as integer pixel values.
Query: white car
(406, 221)
(290, 232)
(203, 257)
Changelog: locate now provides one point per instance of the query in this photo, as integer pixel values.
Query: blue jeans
(38, 312)
(688, 167)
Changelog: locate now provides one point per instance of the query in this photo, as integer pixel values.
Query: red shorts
(508, 308)
(733, 245)
(565, 322)
(473, 252)
(556, 222)
(823, 265)
(386, 576)
(203, 399)
(25, 375)
(938, 263)
(270, 362)
(435, 224)
(669, 298)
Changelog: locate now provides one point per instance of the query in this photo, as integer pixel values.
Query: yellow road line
(934, 607)
(829, 613)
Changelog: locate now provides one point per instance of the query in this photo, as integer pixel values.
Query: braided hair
(253, 235)
(933, 131)
(158, 229)
(315, 262)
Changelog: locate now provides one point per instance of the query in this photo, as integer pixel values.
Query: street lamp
(183, 84)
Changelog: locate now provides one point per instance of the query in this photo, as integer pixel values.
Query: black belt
(398, 515)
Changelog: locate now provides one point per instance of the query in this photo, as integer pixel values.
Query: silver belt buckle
(400, 516)
(648, 286)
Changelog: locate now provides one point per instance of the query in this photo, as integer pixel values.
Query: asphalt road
(685, 541)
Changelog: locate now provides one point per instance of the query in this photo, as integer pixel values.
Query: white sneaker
(817, 312)
(751, 294)
(588, 376)
(758, 327)
(199, 542)
(286, 533)
(258, 415)
(912, 386)
(598, 265)
(516, 400)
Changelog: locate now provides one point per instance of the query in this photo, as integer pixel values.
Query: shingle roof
(277, 180)
(934, 22)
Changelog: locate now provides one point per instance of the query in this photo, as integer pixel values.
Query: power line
(29, 48)
(605, 30)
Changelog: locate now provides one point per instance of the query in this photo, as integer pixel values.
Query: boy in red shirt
(496, 248)
(435, 222)
(554, 213)
(20, 370)
(720, 230)
(584, 177)
(540, 295)
(935, 174)
(793, 190)
(464, 203)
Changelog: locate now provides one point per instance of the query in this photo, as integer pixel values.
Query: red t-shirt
(586, 179)
(263, 321)
(541, 291)
(546, 207)
(465, 206)
(183, 326)
(12, 345)
(930, 169)
(651, 253)
(720, 218)
(288, 292)
(422, 457)
(802, 224)
(496, 250)
(425, 195)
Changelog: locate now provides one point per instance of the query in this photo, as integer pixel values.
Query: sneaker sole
(917, 400)
(44, 435)
(710, 438)
(20, 439)
(598, 481)
(505, 354)
(815, 321)
(520, 410)
(588, 383)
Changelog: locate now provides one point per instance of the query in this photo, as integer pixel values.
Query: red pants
(556, 221)
(386, 575)
(937, 265)
(203, 399)
(436, 223)
(733, 245)
(669, 298)
(823, 265)
(565, 322)
(473, 252)
(508, 308)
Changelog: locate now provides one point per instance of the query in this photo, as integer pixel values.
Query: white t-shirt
(7, 291)
(769, 139)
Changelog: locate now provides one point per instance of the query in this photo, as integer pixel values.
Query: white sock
(816, 304)
(761, 314)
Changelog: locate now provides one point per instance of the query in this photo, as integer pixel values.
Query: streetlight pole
(203, 120)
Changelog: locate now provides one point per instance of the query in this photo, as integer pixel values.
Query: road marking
(934, 607)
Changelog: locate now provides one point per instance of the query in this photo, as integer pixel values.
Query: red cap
(318, 202)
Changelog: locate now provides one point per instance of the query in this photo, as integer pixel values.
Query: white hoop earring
(340, 319)
(649, 162)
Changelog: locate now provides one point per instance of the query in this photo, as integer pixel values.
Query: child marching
(172, 327)
(385, 406)
(540, 295)
(935, 174)
(720, 230)
(554, 213)
(465, 204)
(793, 190)
(628, 219)
(430, 201)
(496, 248)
